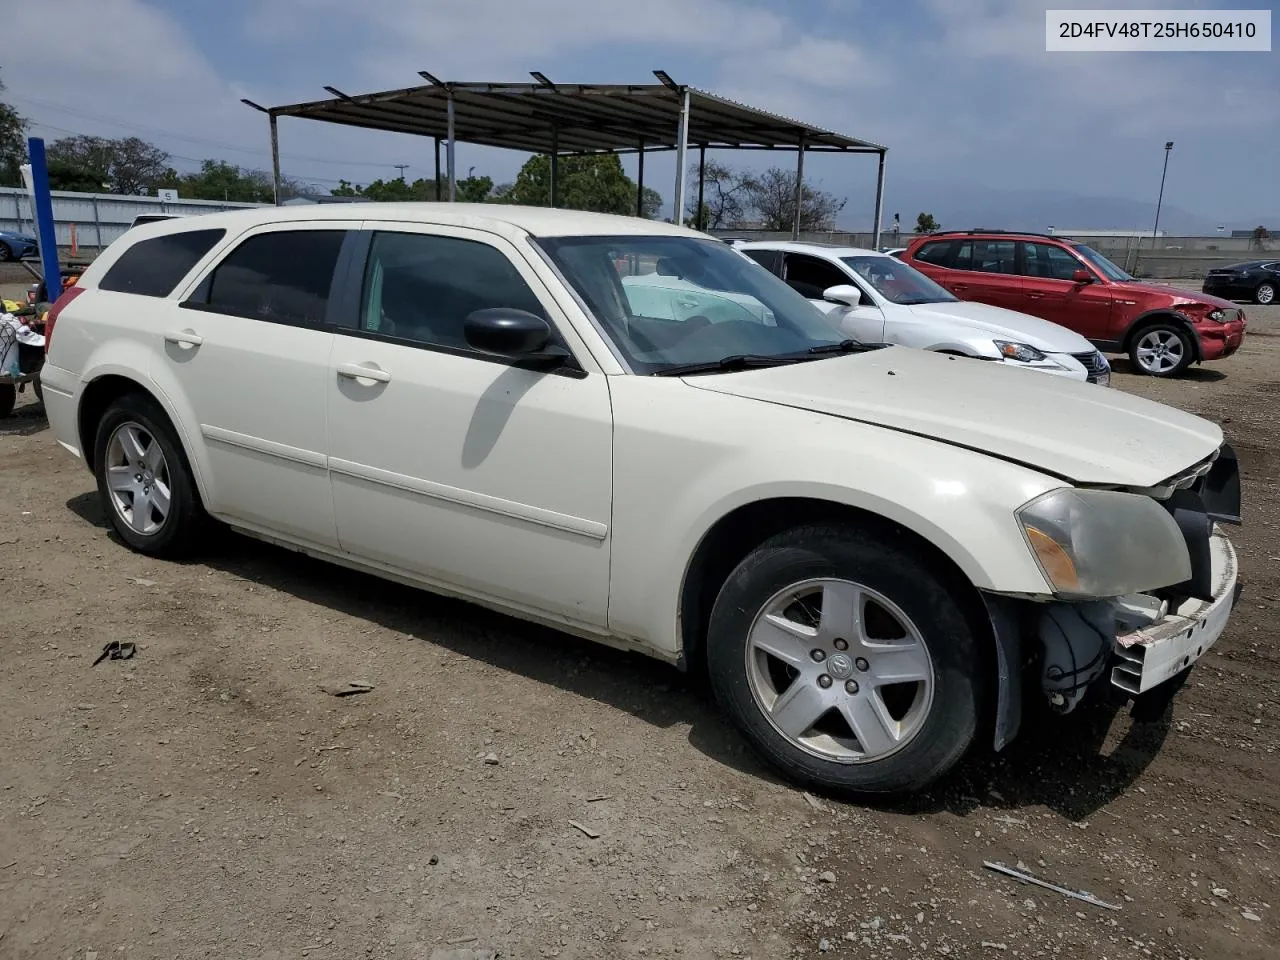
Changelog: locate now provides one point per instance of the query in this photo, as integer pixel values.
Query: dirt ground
(207, 799)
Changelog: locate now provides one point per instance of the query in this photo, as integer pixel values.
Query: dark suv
(1163, 329)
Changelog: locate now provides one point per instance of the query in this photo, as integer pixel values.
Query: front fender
(673, 485)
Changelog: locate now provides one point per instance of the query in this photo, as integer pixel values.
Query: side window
(771, 260)
(993, 256)
(963, 258)
(281, 277)
(809, 276)
(1048, 261)
(936, 252)
(152, 268)
(420, 287)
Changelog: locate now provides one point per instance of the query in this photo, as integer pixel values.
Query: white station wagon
(871, 550)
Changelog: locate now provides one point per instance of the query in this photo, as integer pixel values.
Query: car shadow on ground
(1055, 762)
(1190, 375)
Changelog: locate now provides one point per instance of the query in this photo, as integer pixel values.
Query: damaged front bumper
(1154, 644)
(1143, 645)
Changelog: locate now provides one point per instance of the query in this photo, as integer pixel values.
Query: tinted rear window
(935, 252)
(153, 267)
(283, 277)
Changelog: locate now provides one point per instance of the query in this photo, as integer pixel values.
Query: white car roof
(505, 219)
(817, 249)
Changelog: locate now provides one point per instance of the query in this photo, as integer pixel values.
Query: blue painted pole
(44, 219)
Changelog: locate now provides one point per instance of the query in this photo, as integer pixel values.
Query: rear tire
(8, 398)
(1265, 294)
(1162, 349)
(144, 479)
(5, 253)
(847, 661)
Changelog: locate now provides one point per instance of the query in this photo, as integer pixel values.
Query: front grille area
(1095, 363)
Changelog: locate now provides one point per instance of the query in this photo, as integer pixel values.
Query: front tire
(144, 479)
(8, 398)
(1162, 349)
(1265, 294)
(847, 661)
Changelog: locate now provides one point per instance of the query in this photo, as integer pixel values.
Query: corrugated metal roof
(572, 118)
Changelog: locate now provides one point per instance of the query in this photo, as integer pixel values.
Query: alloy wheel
(1160, 351)
(138, 478)
(839, 670)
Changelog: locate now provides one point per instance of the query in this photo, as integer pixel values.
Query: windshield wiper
(739, 361)
(847, 346)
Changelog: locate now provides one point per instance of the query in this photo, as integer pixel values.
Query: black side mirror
(507, 331)
(524, 337)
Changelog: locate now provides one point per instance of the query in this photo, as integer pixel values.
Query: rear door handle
(184, 338)
(360, 371)
(1034, 296)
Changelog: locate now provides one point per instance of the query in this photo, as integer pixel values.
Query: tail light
(69, 294)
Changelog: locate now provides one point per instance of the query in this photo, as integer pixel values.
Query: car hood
(1078, 431)
(1006, 325)
(1177, 294)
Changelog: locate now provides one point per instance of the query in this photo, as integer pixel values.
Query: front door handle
(183, 338)
(360, 371)
(959, 286)
(1034, 296)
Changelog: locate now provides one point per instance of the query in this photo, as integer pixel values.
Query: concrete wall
(1165, 258)
(98, 218)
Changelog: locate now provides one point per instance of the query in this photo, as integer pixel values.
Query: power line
(174, 156)
(258, 151)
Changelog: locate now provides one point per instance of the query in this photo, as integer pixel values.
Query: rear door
(250, 347)
(1053, 294)
(985, 270)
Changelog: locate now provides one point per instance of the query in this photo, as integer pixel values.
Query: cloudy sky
(963, 93)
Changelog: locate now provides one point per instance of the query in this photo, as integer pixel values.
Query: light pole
(1155, 231)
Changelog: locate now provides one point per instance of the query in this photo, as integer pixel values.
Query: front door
(810, 276)
(1053, 294)
(250, 349)
(455, 466)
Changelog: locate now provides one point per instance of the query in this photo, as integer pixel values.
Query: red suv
(1163, 329)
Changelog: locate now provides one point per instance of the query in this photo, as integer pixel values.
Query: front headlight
(1103, 543)
(1216, 315)
(1019, 351)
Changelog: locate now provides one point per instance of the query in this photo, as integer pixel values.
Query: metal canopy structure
(578, 120)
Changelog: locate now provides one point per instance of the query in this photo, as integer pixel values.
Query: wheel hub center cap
(840, 666)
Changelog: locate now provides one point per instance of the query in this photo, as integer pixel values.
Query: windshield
(896, 281)
(1101, 263)
(669, 302)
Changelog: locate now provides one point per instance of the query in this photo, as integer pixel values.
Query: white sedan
(871, 550)
(876, 297)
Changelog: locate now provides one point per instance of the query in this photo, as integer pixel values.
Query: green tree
(468, 190)
(71, 176)
(219, 180)
(925, 223)
(650, 204)
(773, 196)
(132, 165)
(13, 144)
(594, 182)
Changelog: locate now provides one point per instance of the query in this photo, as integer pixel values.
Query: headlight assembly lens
(1216, 315)
(1018, 351)
(1102, 543)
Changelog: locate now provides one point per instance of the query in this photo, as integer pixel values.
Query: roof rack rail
(1016, 233)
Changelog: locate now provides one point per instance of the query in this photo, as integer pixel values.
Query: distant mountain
(964, 206)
